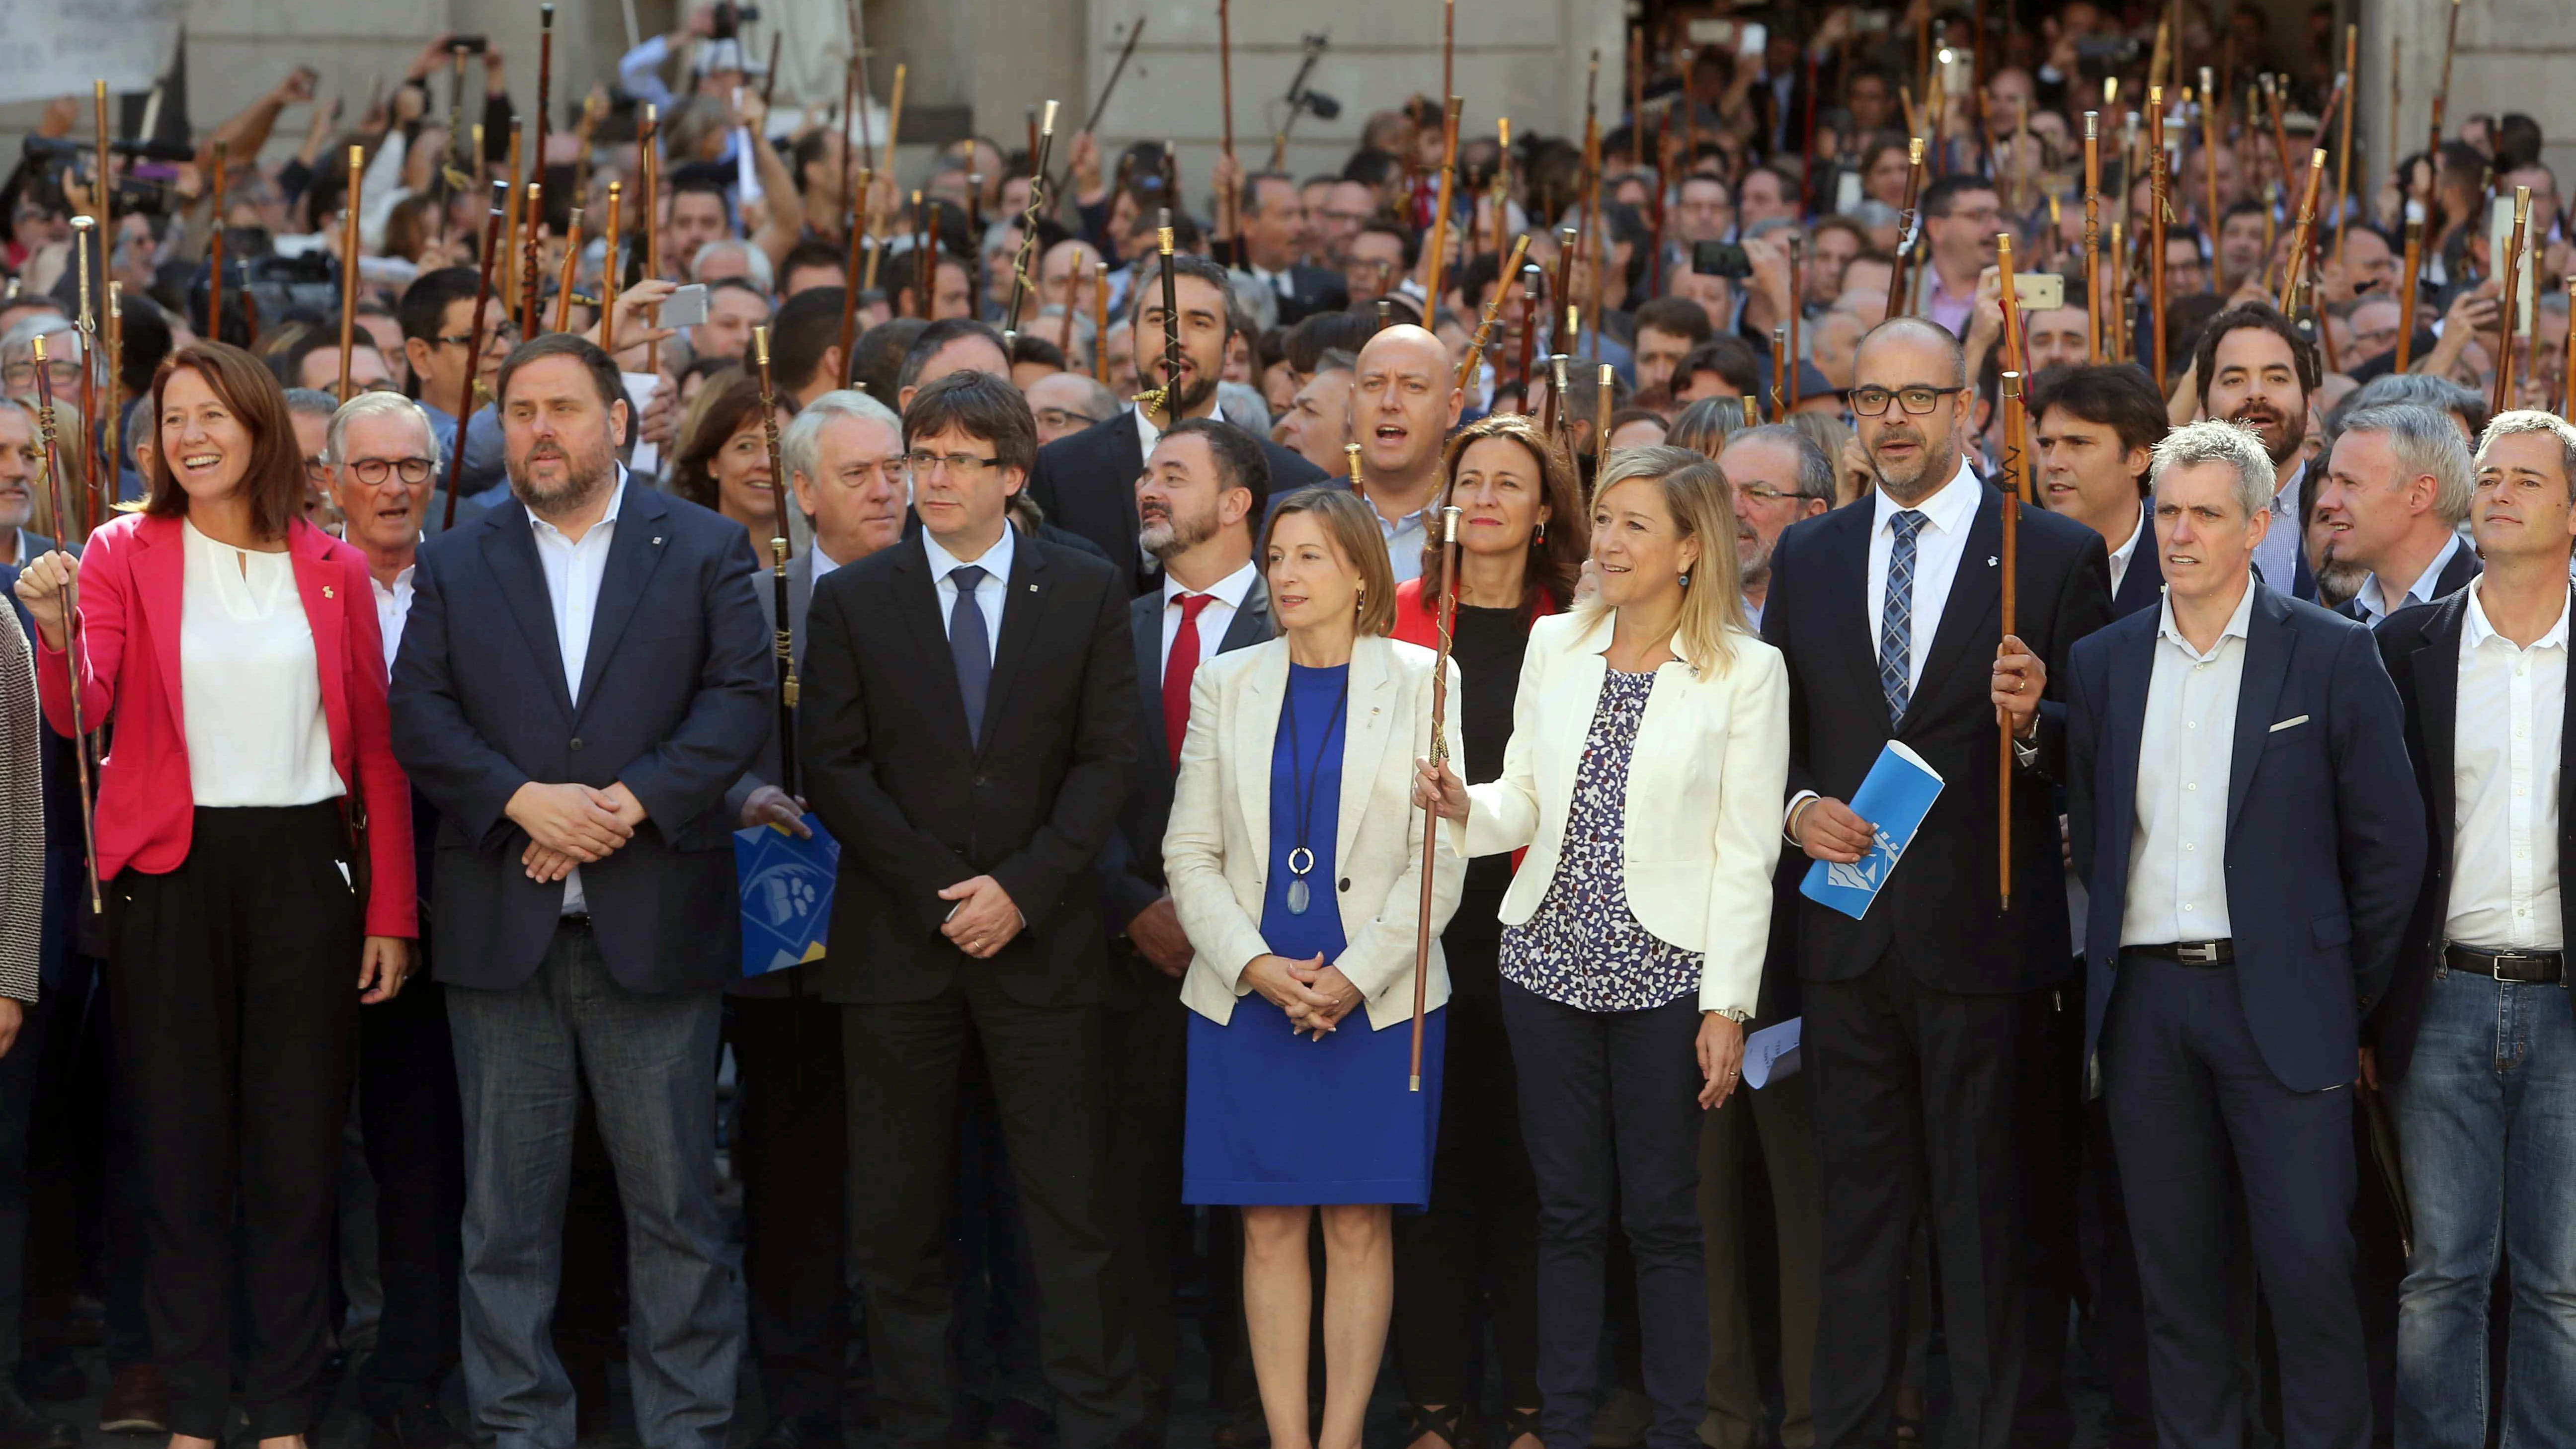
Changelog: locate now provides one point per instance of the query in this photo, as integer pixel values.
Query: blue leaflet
(786, 885)
(1897, 795)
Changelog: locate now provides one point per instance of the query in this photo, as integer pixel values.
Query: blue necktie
(1896, 620)
(969, 647)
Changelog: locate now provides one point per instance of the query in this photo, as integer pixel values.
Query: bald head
(1923, 343)
(1911, 402)
(1064, 274)
(1404, 400)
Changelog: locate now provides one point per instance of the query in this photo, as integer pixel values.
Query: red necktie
(1178, 667)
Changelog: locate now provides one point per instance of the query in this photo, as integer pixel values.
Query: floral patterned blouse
(1582, 947)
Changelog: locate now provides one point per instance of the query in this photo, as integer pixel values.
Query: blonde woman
(1649, 753)
(1294, 857)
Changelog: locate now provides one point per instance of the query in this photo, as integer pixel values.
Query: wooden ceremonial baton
(2512, 263)
(567, 274)
(2343, 152)
(349, 267)
(1533, 281)
(215, 254)
(1607, 390)
(1099, 320)
(608, 277)
(783, 638)
(1907, 224)
(545, 88)
(1797, 309)
(2017, 463)
(1446, 614)
(1029, 229)
(61, 489)
(648, 208)
(2407, 292)
(1440, 219)
(1493, 309)
(2093, 237)
(2156, 225)
(2299, 232)
(465, 408)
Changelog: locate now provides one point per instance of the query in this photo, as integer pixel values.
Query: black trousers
(1471, 1259)
(905, 1062)
(415, 1136)
(18, 1074)
(1149, 1064)
(792, 1151)
(235, 991)
(2048, 1142)
(1610, 1108)
(1912, 1111)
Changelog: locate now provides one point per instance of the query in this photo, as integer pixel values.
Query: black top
(1488, 645)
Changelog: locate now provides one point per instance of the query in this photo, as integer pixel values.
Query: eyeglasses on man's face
(1869, 402)
(891, 470)
(961, 466)
(374, 471)
(504, 335)
(1064, 418)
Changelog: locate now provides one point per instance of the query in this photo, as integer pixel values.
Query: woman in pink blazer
(232, 652)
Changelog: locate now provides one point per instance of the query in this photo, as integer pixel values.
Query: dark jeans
(2189, 1093)
(236, 1006)
(793, 1156)
(415, 1133)
(650, 1063)
(1777, 1124)
(1149, 1066)
(1610, 1109)
(18, 1073)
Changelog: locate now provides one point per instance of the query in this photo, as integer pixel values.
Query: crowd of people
(1349, 771)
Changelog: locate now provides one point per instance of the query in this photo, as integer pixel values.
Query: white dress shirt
(2504, 782)
(989, 591)
(1225, 600)
(2278, 554)
(573, 574)
(824, 563)
(1405, 537)
(2120, 556)
(2178, 855)
(1938, 548)
(250, 680)
(2372, 600)
(393, 609)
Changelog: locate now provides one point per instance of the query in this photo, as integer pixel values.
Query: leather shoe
(51, 1377)
(416, 1424)
(137, 1401)
(21, 1427)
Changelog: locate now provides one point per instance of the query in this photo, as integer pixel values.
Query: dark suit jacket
(918, 808)
(2421, 647)
(676, 694)
(2143, 585)
(1937, 915)
(2325, 842)
(1087, 484)
(1319, 289)
(2455, 576)
(1131, 869)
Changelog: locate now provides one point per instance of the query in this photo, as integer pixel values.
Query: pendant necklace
(1301, 860)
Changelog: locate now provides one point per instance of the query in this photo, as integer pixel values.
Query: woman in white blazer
(1294, 856)
(1649, 753)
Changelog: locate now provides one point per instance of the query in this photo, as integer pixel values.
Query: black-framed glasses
(374, 471)
(1869, 402)
(959, 465)
(1064, 418)
(316, 469)
(503, 334)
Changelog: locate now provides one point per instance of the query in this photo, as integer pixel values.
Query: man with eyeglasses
(381, 458)
(1068, 402)
(62, 356)
(970, 722)
(1781, 477)
(437, 317)
(1960, 217)
(1916, 1011)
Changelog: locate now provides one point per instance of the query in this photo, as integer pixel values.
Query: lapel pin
(1033, 588)
(326, 591)
(657, 540)
(1993, 562)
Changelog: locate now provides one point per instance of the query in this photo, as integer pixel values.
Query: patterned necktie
(1179, 667)
(1896, 620)
(970, 647)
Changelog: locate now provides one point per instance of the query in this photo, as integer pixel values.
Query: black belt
(2528, 968)
(2189, 953)
(573, 921)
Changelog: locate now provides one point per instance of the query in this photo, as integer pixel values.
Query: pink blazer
(130, 595)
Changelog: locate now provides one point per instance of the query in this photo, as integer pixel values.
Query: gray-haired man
(2396, 491)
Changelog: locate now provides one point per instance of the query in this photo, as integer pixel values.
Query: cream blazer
(1701, 827)
(1216, 852)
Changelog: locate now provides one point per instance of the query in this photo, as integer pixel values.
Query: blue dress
(1279, 1118)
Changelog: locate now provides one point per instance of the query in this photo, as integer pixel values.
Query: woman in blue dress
(1295, 860)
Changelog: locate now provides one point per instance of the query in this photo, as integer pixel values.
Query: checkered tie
(1896, 622)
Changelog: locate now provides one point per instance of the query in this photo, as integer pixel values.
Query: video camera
(142, 188)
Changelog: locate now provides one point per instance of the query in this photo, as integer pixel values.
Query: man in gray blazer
(844, 458)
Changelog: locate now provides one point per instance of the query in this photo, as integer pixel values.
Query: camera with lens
(730, 18)
(54, 161)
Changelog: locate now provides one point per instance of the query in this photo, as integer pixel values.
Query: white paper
(639, 391)
(1771, 1053)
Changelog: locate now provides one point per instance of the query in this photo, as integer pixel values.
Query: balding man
(1915, 1011)
(1068, 402)
(2396, 489)
(1065, 275)
(1404, 401)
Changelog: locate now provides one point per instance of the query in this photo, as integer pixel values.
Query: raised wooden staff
(1493, 309)
(1099, 320)
(531, 263)
(2016, 491)
(2156, 223)
(1602, 397)
(2093, 236)
(1779, 374)
(1440, 218)
(2412, 276)
(545, 88)
(1450, 515)
(648, 207)
(349, 267)
(567, 274)
(215, 254)
(1797, 309)
(510, 221)
(1029, 229)
(608, 278)
(61, 488)
(83, 229)
(1562, 299)
(465, 408)
(2343, 152)
(2567, 360)
(1908, 224)
(2299, 231)
(783, 638)
(2442, 96)
(2512, 262)
(1165, 399)
(1229, 224)
(105, 488)
(2209, 122)
(1532, 280)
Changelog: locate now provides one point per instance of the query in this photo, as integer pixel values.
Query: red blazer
(130, 594)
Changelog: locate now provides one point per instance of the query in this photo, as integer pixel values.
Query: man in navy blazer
(2242, 815)
(583, 674)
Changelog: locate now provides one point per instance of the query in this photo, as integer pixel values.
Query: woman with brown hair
(255, 834)
(723, 461)
(1520, 552)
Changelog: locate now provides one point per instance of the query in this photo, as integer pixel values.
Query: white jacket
(1701, 831)
(1216, 852)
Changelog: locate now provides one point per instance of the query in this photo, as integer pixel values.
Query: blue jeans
(521, 1058)
(2486, 1118)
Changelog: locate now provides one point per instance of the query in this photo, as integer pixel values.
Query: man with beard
(1201, 498)
(1781, 477)
(1404, 401)
(1086, 484)
(582, 676)
(1914, 1012)
(2255, 369)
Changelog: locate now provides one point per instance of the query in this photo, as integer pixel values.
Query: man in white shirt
(2476, 1041)
(2240, 812)
(2096, 428)
(2395, 493)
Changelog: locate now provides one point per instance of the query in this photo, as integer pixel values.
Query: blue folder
(786, 894)
(1894, 799)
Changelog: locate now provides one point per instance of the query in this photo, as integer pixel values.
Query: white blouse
(249, 684)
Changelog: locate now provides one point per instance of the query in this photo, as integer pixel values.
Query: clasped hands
(1316, 996)
(571, 825)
